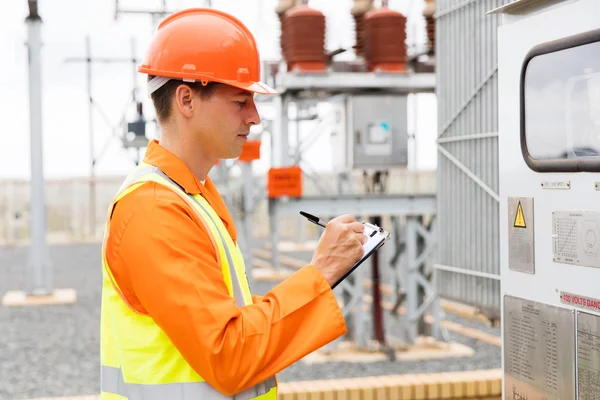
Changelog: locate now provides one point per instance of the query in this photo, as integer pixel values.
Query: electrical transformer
(549, 159)
(370, 132)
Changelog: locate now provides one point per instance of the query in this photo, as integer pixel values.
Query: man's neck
(191, 154)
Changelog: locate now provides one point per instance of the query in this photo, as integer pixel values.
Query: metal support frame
(248, 204)
(365, 205)
(454, 9)
(352, 291)
(94, 105)
(408, 275)
(464, 271)
(468, 137)
(469, 173)
(460, 110)
(155, 15)
(331, 83)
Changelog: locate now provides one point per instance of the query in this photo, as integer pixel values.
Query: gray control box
(370, 132)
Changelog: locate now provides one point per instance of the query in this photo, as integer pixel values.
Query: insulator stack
(282, 7)
(358, 11)
(428, 13)
(358, 26)
(304, 41)
(282, 43)
(385, 40)
(431, 33)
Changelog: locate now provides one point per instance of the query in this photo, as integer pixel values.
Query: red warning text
(584, 302)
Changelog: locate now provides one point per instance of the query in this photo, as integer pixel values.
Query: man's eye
(241, 103)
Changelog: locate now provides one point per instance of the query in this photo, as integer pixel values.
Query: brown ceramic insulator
(430, 21)
(282, 37)
(385, 40)
(358, 11)
(305, 39)
(359, 48)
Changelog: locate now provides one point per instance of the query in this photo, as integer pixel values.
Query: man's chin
(231, 155)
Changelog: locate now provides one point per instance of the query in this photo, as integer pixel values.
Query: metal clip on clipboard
(376, 235)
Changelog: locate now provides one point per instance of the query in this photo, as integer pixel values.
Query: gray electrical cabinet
(370, 132)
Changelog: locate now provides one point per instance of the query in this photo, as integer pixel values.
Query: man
(178, 319)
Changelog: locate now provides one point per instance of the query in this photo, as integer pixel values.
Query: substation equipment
(369, 139)
(549, 152)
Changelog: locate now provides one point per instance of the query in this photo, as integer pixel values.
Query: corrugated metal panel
(466, 63)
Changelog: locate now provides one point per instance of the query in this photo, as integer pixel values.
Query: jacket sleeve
(170, 265)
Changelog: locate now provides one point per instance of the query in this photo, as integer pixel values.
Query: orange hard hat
(205, 45)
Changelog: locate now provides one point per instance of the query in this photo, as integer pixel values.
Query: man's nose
(253, 117)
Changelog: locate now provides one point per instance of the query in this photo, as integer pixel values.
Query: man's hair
(162, 97)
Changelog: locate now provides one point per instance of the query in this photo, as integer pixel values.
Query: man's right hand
(339, 247)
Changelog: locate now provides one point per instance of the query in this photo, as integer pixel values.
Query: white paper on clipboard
(376, 239)
(376, 236)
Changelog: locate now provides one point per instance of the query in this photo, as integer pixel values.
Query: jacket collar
(176, 169)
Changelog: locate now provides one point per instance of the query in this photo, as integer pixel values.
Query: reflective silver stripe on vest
(237, 289)
(112, 378)
(113, 382)
(151, 169)
(145, 170)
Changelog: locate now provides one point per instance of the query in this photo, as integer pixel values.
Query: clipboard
(376, 238)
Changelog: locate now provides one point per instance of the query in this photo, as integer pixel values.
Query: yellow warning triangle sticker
(520, 218)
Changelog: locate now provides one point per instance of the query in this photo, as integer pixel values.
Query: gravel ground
(54, 350)
(486, 356)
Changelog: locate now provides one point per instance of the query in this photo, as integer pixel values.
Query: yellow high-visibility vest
(139, 362)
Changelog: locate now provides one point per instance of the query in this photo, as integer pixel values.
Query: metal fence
(468, 264)
(70, 218)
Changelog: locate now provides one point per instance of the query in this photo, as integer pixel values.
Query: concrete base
(424, 349)
(21, 298)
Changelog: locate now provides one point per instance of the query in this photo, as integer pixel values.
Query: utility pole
(92, 193)
(89, 60)
(40, 282)
(39, 288)
(156, 15)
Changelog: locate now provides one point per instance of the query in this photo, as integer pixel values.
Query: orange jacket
(164, 262)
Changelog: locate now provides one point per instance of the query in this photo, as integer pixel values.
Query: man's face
(222, 123)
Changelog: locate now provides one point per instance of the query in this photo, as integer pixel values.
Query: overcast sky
(65, 107)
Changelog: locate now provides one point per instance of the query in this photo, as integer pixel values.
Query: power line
(89, 61)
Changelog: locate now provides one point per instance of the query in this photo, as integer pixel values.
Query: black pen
(313, 219)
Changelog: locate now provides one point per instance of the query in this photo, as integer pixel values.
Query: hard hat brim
(256, 87)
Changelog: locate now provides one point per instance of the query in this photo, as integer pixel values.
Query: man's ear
(183, 98)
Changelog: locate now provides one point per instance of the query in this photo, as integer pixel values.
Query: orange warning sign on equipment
(520, 218)
(285, 181)
(251, 151)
